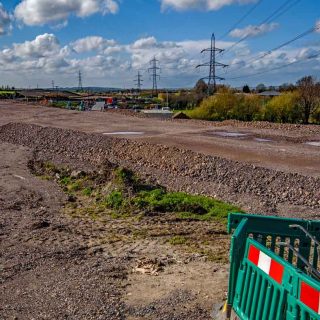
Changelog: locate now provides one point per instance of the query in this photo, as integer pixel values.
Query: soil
(286, 152)
(57, 266)
(54, 266)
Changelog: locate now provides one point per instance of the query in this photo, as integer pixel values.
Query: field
(112, 216)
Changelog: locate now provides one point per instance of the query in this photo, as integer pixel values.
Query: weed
(178, 240)
(87, 191)
(115, 200)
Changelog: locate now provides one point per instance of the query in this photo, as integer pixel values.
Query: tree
(261, 87)
(287, 87)
(201, 88)
(284, 108)
(309, 90)
(246, 89)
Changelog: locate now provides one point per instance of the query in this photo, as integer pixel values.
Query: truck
(274, 268)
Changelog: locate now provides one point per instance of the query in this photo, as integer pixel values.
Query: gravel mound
(256, 189)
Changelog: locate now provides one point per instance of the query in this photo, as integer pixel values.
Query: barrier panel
(273, 268)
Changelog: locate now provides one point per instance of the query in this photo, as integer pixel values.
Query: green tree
(217, 107)
(246, 89)
(284, 108)
(248, 108)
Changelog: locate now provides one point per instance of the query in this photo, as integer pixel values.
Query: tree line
(298, 103)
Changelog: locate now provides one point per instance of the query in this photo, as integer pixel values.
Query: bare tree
(309, 90)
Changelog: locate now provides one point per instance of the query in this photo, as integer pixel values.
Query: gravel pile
(256, 189)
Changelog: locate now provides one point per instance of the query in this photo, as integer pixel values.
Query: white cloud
(42, 46)
(151, 42)
(108, 63)
(209, 5)
(40, 12)
(92, 43)
(253, 31)
(5, 20)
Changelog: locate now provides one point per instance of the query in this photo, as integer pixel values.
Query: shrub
(284, 108)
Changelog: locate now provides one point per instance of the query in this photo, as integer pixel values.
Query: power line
(241, 19)
(154, 73)
(138, 81)
(301, 35)
(276, 14)
(212, 64)
(316, 55)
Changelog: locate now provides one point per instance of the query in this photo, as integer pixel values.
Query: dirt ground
(54, 266)
(271, 147)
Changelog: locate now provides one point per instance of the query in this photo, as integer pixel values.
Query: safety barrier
(269, 282)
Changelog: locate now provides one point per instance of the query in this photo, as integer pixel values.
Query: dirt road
(275, 148)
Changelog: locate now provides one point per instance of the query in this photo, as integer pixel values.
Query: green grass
(87, 191)
(178, 240)
(7, 92)
(185, 205)
(126, 195)
(115, 200)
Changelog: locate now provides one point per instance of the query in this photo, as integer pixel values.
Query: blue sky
(110, 40)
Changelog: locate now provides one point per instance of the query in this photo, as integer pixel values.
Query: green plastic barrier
(255, 294)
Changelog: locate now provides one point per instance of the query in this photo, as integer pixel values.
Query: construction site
(148, 262)
(159, 160)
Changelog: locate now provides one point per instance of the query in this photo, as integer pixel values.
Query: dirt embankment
(256, 189)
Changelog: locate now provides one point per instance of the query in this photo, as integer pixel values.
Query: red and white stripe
(310, 297)
(271, 267)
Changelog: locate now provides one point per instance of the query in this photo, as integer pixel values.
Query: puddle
(314, 143)
(230, 134)
(125, 133)
(262, 140)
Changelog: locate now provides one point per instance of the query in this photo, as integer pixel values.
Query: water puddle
(230, 134)
(262, 140)
(125, 133)
(313, 143)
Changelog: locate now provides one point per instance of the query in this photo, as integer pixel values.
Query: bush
(228, 105)
(284, 109)
(218, 107)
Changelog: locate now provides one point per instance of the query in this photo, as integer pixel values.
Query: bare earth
(286, 151)
(53, 266)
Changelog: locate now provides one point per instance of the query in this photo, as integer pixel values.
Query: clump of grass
(87, 191)
(185, 205)
(115, 200)
(125, 177)
(126, 195)
(178, 240)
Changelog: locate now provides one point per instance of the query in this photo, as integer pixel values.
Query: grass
(126, 195)
(186, 206)
(7, 92)
(178, 240)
